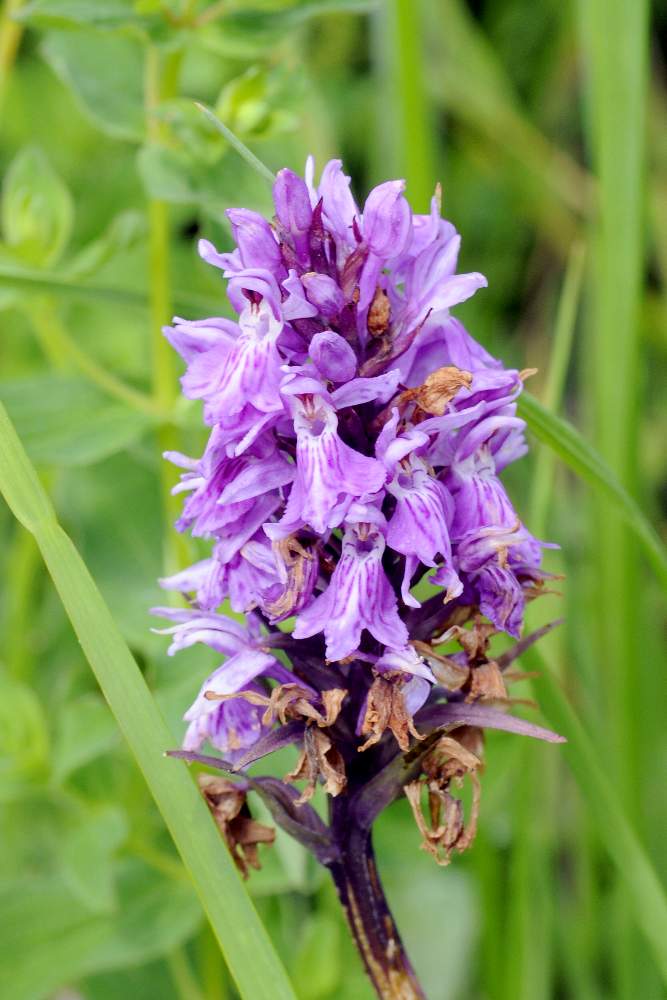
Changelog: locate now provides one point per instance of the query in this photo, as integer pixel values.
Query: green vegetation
(545, 125)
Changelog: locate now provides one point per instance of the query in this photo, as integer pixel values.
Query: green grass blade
(645, 892)
(559, 361)
(244, 942)
(240, 147)
(614, 48)
(583, 459)
(532, 869)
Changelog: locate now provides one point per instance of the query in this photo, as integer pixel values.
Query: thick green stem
(162, 83)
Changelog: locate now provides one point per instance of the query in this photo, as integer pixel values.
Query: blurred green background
(545, 123)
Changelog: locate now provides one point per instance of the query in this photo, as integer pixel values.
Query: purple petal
(386, 222)
(255, 238)
(333, 357)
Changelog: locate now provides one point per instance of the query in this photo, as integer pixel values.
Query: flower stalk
(369, 918)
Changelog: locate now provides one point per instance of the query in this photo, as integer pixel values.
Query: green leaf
(189, 132)
(50, 938)
(24, 731)
(123, 232)
(105, 73)
(171, 175)
(73, 13)
(248, 33)
(87, 853)
(468, 76)
(85, 729)
(559, 361)
(571, 447)
(261, 103)
(36, 209)
(65, 421)
(245, 944)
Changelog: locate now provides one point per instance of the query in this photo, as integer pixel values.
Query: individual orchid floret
(329, 474)
(255, 239)
(359, 595)
(229, 726)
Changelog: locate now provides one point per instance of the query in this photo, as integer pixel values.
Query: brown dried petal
(295, 559)
(379, 314)
(486, 683)
(290, 701)
(437, 390)
(332, 701)
(223, 796)
(385, 709)
(240, 831)
(473, 641)
(450, 760)
(319, 758)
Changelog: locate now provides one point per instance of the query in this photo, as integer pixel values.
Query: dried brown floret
(386, 709)
(319, 759)
(230, 810)
(291, 701)
(450, 760)
(379, 313)
(437, 390)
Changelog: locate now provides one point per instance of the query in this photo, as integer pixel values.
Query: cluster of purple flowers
(357, 436)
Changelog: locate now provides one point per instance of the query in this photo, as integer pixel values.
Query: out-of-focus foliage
(109, 174)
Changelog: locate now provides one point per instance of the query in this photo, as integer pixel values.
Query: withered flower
(227, 802)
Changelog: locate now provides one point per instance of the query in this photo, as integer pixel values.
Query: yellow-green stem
(408, 129)
(161, 83)
(213, 973)
(60, 349)
(23, 567)
(181, 973)
(10, 39)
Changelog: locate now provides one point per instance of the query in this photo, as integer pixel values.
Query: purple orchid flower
(350, 490)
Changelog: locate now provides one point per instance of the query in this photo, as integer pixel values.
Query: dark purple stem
(369, 918)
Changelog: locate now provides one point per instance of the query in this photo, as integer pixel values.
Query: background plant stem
(162, 73)
(405, 132)
(615, 45)
(11, 33)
